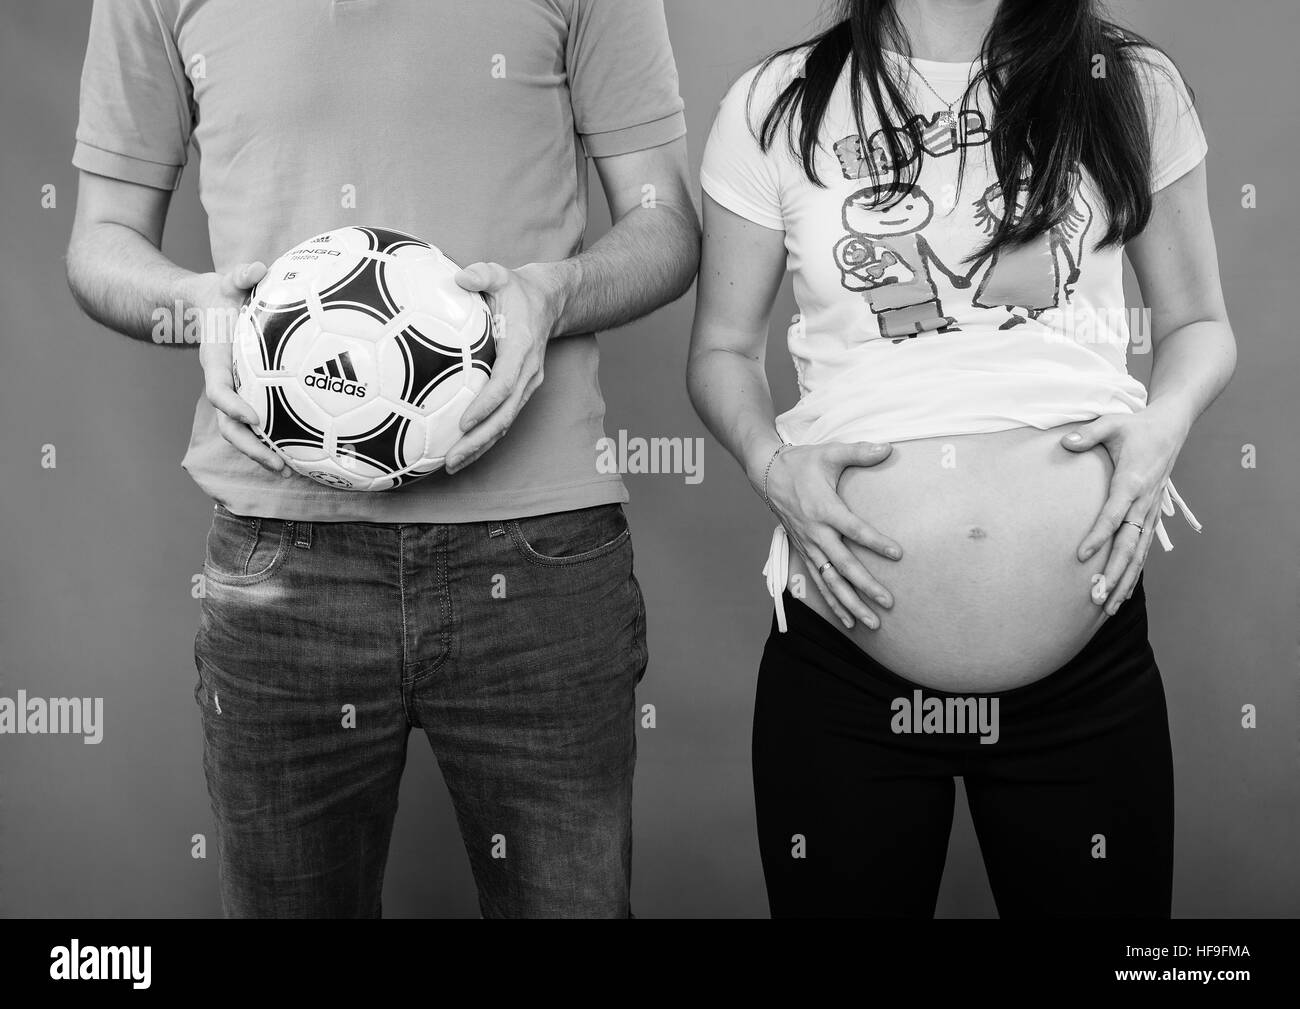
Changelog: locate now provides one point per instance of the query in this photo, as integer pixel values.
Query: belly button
(976, 533)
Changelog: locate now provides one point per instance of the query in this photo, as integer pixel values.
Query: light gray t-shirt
(464, 122)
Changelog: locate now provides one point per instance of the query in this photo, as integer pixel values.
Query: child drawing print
(933, 136)
(1025, 280)
(886, 257)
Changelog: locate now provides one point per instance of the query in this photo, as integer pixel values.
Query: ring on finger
(1136, 525)
(828, 566)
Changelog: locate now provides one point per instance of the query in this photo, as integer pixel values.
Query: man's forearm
(120, 279)
(648, 259)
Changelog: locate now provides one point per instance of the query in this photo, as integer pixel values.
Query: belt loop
(496, 528)
(303, 538)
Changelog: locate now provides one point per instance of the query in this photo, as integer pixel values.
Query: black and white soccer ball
(360, 353)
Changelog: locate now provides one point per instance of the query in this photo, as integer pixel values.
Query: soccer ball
(360, 353)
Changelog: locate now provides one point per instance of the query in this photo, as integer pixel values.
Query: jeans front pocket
(571, 537)
(243, 549)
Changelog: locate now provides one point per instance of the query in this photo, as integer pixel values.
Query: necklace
(948, 116)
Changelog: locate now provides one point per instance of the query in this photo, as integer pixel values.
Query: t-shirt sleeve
(622, 77)
(736, 172)
(136, 104)
(1177, 141)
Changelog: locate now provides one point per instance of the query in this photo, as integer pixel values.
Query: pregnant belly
(989, 593)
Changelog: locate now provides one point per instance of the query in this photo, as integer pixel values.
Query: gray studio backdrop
(98, 553)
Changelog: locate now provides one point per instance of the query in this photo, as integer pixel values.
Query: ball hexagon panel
(264, 330)
(377, 440)
(290, 418)
(419, 370)
(424, 284)
(364, 290)
(443, 426)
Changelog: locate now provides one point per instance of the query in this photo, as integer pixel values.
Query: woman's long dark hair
(1052, 113)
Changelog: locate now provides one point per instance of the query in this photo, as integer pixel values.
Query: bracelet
(767, 471)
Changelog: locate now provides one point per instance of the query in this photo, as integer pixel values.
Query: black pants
(1073, 804)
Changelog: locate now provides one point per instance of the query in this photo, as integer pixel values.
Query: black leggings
(1073, 804)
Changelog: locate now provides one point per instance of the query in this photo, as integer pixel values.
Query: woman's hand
(1143, 446)
(802, 484)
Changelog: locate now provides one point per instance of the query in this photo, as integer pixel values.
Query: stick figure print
(1026, 279)
(886, 257)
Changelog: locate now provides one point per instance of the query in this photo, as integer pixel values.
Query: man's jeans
(515, 645)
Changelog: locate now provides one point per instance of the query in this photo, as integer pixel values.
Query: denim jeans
(515, 645)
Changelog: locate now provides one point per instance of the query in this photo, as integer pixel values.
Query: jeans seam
(442, 588)
(252, 534)
(401, 588)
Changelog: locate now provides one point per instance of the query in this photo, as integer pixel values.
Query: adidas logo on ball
(336, 375)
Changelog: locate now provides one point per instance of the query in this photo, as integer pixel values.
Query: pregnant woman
(970, 482)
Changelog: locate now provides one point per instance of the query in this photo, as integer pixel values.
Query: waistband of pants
(1119, 648)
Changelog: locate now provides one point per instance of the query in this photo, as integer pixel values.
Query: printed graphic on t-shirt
(886, 257)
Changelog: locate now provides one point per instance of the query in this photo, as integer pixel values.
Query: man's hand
(219, 296)
(527, 305)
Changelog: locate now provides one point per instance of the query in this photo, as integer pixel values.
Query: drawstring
(777, 570)
(1168, 498)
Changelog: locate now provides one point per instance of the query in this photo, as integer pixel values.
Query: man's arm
(646, 260)
(115, 270)
(121, 279)
(651, 255)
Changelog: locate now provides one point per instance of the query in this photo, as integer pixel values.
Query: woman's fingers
(849, 580)
(816, 559)
(1113, 512)
(1095, 433)
(846, 523)
(860, 580)
(1123, 546)
(1131, 528)
(1128, 580)
(858, 453)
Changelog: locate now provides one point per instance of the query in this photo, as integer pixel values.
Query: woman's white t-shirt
(897, 336)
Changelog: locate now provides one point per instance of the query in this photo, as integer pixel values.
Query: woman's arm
(741, 269)
(1195, 355)
(1177, 266)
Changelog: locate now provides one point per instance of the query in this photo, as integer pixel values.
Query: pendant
(948, 117)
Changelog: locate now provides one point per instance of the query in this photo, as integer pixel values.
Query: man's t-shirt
(465, 122)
